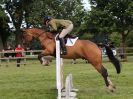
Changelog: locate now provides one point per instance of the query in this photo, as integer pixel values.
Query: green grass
(38, 82)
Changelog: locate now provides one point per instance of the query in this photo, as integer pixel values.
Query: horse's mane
(37, 28)
(50, 35)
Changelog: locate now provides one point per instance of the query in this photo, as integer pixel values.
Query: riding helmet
(46, 18)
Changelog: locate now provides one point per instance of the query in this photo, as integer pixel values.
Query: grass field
(38, 82)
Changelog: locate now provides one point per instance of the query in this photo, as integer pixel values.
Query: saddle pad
(71, 41)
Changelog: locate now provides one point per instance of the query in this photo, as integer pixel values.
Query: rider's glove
(47, 29)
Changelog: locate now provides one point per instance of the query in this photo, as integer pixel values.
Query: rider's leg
(61, 37)
(63, 47)
(64, 32)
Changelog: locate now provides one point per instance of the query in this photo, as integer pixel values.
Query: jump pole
(59, 70)
(69, 92)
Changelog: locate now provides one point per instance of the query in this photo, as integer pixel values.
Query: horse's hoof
(45, 64)
(111, 88)
(73, 62)
(111, 84)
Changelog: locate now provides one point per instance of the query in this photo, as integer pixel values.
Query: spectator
(8, 49)
(19, 54)
(112, 45)
(100, 45)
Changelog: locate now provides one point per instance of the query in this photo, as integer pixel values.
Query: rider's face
(47, 22)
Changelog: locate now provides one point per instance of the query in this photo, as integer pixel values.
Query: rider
(55, 25)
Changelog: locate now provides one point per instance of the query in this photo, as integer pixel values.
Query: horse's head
(30, 34)
(27, 35)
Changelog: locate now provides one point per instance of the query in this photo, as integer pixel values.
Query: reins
(41, 34)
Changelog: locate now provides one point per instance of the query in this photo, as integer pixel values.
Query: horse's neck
(45, 37)
(42, 37)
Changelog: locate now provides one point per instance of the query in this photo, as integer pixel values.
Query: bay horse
(84, 49)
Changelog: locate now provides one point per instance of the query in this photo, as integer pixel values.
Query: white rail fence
(32, 54)
(25, 57)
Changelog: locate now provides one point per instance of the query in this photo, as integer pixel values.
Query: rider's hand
(47, 29)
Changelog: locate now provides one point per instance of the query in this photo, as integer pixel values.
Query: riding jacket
(56, 24)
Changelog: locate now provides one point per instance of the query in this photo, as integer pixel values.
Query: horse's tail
(113, 59)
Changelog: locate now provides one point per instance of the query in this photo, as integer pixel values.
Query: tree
(16, 10)
(31, 12)
(112, 16)
(122, 12)
(64, 9)
(4, 28)
(129, 40)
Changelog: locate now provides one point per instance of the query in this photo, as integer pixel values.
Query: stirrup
(63, 52)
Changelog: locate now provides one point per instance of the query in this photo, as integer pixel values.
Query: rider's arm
(53, 26)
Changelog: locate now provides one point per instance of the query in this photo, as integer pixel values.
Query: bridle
(38, 35)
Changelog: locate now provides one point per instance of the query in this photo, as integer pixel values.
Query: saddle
(53, 35)
(63, 41)
(70, 36)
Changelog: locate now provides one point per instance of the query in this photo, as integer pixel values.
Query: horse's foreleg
(41, 58)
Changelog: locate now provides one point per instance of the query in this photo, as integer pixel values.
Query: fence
(33, 54)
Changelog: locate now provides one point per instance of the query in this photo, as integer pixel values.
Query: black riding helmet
(47, 18)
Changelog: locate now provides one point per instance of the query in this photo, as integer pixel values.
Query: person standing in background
(8, 49)
(19, 54)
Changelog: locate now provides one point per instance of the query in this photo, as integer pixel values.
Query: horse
(84, 49)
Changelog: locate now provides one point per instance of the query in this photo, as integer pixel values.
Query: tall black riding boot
(63, 46)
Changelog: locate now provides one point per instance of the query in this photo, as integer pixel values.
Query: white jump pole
(68, 92)
(59, 65)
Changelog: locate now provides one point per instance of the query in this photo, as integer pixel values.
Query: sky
(86, 4)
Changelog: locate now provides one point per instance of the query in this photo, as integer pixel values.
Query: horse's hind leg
(108, 82)
(104, 73)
